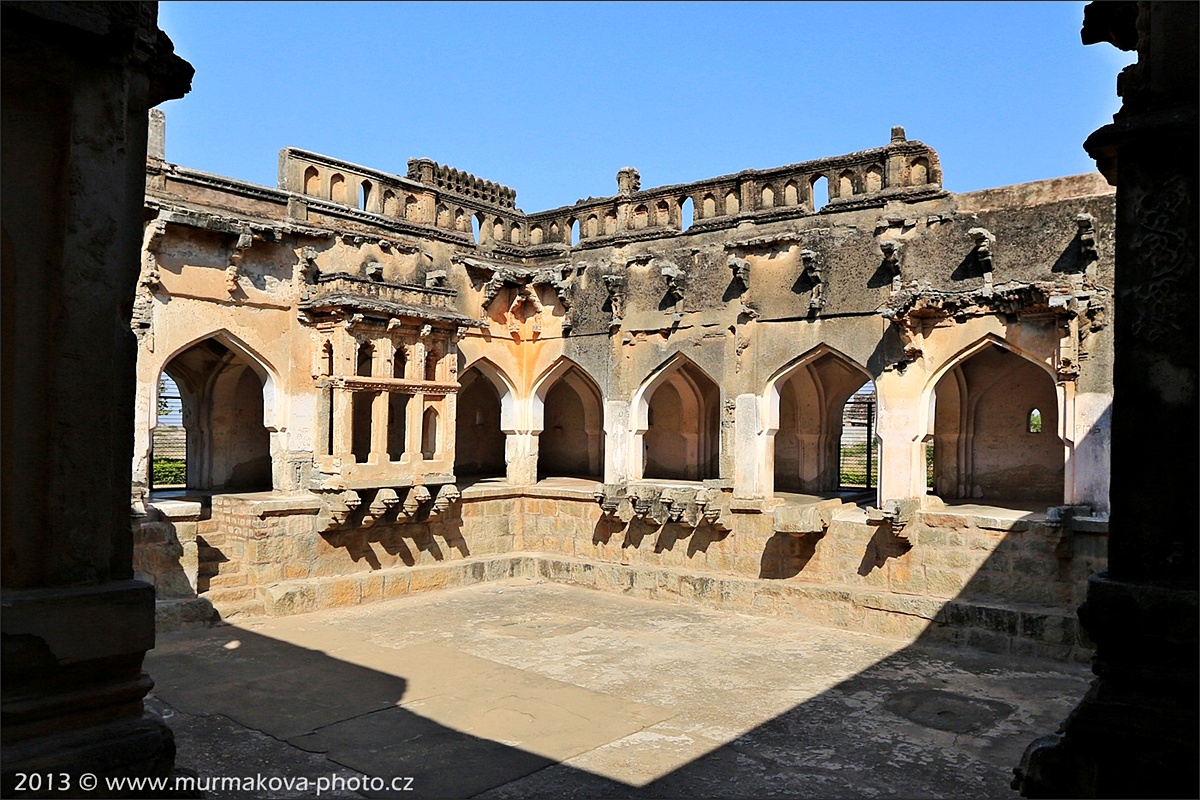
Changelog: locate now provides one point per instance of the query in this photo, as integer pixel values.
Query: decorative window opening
(1034, 423)
(366, 355)
(429, 434)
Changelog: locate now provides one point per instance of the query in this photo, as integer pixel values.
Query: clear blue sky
(552, 99)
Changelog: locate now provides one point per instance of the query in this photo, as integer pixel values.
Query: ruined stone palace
(831, 389)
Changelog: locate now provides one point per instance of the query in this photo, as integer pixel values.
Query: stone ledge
(1006, 628)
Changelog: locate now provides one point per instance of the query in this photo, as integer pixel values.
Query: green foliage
(168, 472)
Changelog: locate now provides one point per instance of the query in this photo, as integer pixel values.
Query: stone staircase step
(241, 610)
(233, 594)
(227, 580)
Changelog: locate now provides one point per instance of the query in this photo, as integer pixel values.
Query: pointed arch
(803, 417)
(567, 412)
(485, 417)
(975, 412)
(675, 422)
(261, 366)
(227, 394)
(505, 389)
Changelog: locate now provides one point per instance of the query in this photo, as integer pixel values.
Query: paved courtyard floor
(523, 688)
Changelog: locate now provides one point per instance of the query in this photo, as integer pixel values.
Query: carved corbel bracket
(416, 497)
(984, 242)
(446, 497)
(676, 279)
(152, 238)
(708, 511)
(244, 241)
(811, 269)
(896, 514)
(615, 284)
(1088, 251)
(740, 268)
(338, 509)
(305, 273)
(891, 249)
(385, 503)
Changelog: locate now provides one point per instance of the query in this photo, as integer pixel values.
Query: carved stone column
(1135, 732)
(78, 81)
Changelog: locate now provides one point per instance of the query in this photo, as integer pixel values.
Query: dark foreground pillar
(78, 81)
(1135, 732)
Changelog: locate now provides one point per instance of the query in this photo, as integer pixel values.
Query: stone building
(832, 389)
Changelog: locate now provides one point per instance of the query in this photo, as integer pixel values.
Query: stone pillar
(616, 441)
(78, 81)
(748, 444)
(1135, 732)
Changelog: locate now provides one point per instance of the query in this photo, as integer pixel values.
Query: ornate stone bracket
(232, 272)
(344, 510)
(891, 250)
(655, 506)
(984, 241)
(811, 269)
(1088, 251)
(676, 279)
(615, 284)
(142, 319)
(896, 514)
(305, 273)
(740, 268)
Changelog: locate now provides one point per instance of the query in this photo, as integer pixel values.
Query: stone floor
(522, 688)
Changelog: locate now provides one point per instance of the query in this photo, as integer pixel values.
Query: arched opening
(442, 216)
(221, 408)
(995, 417)
(815, 450)
(593, 226)
(574, 240)
(732, 206)
(791, 194)
(874, 179)
(431, 365)
(169, 457)
(686, 213)
(429, 434)
(640, 218)
(477, 228)
(399, 361)
(571, 443)
(364, 194)
(479, 439)
(337, 188)
(708, 207)
(846, 184)
(535, 235)
(681, 440)
(366, 358)
(391, 206)
(412, 209)
(312, 181)
(498, 230)
(858, 449)
(514, 234)
(819, 191)
(918, 171)
(766, 198)
(662, 213)
(397, 424)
